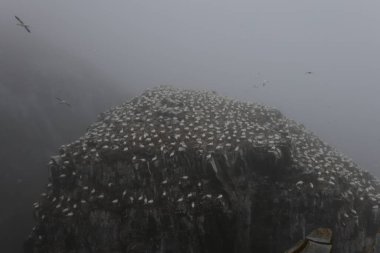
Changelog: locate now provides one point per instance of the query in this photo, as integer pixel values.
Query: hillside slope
(33, 124)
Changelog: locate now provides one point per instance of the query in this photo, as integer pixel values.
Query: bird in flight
(63, 102)
(308, 72)
(265, 82)
(21, 23)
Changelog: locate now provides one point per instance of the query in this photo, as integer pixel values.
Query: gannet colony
(185, 171)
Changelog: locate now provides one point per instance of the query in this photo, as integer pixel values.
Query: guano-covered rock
(183, 171)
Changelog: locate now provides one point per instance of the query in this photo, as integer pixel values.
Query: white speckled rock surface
(189, 171)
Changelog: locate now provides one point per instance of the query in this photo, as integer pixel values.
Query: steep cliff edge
(189, 171)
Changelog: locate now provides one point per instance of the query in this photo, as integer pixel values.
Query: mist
(226, 46)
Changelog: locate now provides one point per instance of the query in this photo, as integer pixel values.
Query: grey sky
(223, 45)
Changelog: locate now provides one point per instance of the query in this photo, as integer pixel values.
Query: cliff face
(190, 171)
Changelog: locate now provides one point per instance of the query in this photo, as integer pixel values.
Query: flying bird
(63, 102)
(308, 72)
(265, 82)
(21, 23)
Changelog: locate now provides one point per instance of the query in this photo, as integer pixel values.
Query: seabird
(22, 24)
(63, 102)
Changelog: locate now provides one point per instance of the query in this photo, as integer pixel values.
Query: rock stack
(193, 172)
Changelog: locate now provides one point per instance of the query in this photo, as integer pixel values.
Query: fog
(226, 46)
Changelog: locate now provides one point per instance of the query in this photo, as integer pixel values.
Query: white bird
(22, 24)
(63, 102)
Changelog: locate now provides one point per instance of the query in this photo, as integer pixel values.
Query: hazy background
(97, 53)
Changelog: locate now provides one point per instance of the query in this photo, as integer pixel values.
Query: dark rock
(318, 241)
(320, 235)
(314, 247)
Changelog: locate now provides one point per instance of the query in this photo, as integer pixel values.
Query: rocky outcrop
(190, 171)
(319, 240)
